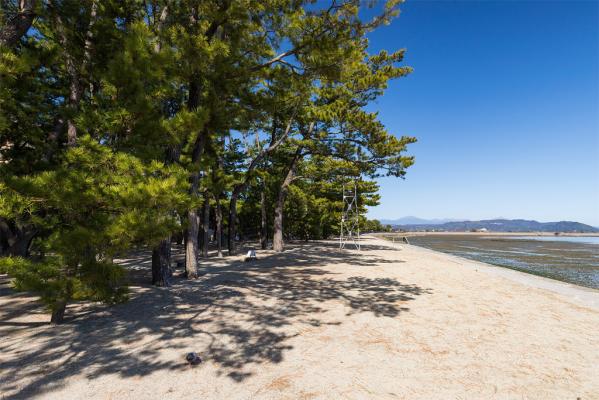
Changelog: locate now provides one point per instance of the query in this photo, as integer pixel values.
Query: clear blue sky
(504, 101)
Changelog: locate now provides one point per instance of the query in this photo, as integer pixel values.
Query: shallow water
(573, 239)
(573, 261)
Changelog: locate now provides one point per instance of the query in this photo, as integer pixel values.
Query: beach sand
(392, 321)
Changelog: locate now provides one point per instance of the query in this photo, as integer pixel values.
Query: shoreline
(582, 295)
(491, 250)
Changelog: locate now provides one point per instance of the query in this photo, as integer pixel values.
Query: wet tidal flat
(572, 261)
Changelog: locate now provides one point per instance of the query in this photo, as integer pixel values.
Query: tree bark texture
(193, 220)
(218, 211)
(206, 225)
(75, 83)
(263, 226)
(191, 245)
(58, 312)
(277, 239)
(15, 239)
(59, 308)
(232, 228)
(161, 260)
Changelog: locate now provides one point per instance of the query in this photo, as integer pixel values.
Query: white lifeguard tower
(350, 217)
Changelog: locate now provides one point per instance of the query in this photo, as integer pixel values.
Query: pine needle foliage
(131, 124)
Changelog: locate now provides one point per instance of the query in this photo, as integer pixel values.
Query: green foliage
(95, 204)
(374, 225)
(103, 198)
(99, 281)
(116, 117)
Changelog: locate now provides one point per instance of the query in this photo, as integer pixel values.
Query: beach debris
(250, 256)
(193, 359)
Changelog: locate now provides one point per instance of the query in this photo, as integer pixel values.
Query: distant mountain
(502, 225)
(416, 221)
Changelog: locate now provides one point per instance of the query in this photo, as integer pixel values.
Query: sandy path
(392, 321)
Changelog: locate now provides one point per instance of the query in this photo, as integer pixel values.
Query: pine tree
(123, 123)
(85, 138)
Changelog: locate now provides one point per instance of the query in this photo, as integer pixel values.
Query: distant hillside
(416, 221)
(503, 225)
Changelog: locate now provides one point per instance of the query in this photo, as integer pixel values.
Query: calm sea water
(569, 259)
(573, 239)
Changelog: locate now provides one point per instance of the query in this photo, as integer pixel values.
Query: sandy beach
(392, 321)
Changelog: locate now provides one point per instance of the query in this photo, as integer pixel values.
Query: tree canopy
(134, 123)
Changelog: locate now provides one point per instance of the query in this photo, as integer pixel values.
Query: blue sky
(504, 101)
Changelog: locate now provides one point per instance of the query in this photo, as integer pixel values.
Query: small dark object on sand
(193, 358)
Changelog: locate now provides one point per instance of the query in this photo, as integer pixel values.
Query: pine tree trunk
(75, 83)
(191, 235)
(232, 223)
(15, 240)
(263, 227)
(58, 312)
(161, 263)
(177, 237)
(20, 247)
(87, 53)
(277, 238)
(159, 25)
(193, 220)
(218, 210)
(239, 188)
(219, 227)
(206, 225)
(59, 308)
(191, 245)
(74, 88)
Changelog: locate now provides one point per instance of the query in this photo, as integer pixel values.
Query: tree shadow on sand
(237, 316)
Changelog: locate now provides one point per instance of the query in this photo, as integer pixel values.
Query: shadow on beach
(237, 315)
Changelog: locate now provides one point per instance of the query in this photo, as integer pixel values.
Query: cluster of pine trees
(128, 123)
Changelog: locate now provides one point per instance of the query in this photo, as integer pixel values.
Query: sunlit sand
(391, 321)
